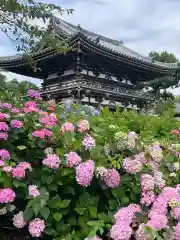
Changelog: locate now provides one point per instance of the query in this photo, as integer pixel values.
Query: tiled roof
(69, 29)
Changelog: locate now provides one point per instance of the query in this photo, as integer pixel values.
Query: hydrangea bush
(72, 175)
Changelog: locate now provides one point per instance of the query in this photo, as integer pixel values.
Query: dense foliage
(69, 174)
(164, 56)
(11, 89)
(24, 22)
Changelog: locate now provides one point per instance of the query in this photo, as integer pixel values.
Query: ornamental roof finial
(79, 26)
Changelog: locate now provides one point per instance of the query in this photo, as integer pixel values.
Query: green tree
(167, 81)
(164, 56)
(18, 20)
(11, 89)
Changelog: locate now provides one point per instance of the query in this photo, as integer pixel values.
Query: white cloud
(142, 25)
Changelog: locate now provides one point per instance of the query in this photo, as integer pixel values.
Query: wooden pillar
(78, 99)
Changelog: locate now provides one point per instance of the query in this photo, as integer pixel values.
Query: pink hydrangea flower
(84, 173)
(141, 157)
(3, 136)
(147, 182)
(89, 142)
(17, 124)
(112, 178)
(4, 154)
(177, 231)
(3, 126)
(18, 220)
(158, 221)
(67, 127)
(159, 206)
(7, 195)
(33, 191)
(18, 172)
(6, 105)
(48, 121)
(48, 133)
(7, 169)
(30, 104)
(30, 109)
(25, 165)
(33, 94)
(72, 159)
(52, 161)
(42, 113)
(156, 152)
(121, 231)
(15, 110)
(159, 181)
(127, 214)
(83, 126)
(142, 233)
(131, 142)
(2, 164)
(42, 133)
(36, 227)
(51, 103)
(39, 133)
(132, 166)
(175, 132)
(170, 193)
(3, 116)
(147, 198)
(175, 213)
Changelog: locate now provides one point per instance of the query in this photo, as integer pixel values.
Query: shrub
(73, 175)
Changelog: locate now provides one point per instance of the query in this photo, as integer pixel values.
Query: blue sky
(143, 25)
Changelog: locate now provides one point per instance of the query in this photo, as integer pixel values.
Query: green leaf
(125, 200)
(28, 213)
(18, 184)
(50, 231)
(53, 187)
(67, 171)
(30, 203)
(36, 208)
(45, 212)
(94, 223)
(93, 211)
(57, 216)
(21, 147)
(80, 211)
(64, 203)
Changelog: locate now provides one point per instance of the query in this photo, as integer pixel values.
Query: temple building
(98, 71)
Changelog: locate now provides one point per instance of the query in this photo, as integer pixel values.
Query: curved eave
(11, 63)
(108, 52)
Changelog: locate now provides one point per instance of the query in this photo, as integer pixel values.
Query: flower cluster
(52, 161)
(49, 121)
(42, 133)
(72, 159)
(110, 177)
(61, 153)
(84, 173)
(7, 195)
(122, 230)
(83, 126)
(89, 142)
(33, 94)
(131, 140)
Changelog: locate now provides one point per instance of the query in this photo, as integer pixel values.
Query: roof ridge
(111, 40)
